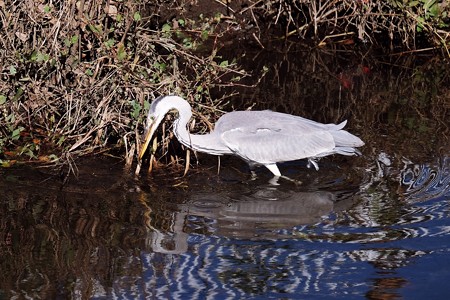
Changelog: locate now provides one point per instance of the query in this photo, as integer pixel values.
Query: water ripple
(424, 182)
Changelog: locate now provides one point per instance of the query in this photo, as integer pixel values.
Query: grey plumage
(258, 137)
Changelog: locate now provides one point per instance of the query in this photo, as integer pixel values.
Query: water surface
(375, 226)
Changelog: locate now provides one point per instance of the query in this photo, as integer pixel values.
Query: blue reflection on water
(242, 269)
(424, 182)
(386, 246)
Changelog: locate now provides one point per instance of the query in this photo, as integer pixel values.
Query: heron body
(258, 137)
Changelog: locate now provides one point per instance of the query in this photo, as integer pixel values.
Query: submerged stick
(188, 161)
(138, 168)
(152, 155)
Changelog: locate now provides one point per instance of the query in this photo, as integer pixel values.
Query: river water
(375, 226)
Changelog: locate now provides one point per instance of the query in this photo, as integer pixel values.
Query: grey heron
(258, 137)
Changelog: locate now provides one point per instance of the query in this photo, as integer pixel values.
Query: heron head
(158, 109)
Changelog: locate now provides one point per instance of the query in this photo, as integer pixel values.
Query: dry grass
(77, 77)
(393, 24)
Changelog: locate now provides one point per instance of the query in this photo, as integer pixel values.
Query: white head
(158, 110)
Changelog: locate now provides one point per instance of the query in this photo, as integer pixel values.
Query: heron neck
(208, 143)
(182, 134)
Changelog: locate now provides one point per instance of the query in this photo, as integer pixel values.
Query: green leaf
(53, 157)
(121, 53)
(224, 63)
(109, 43)
(74, 39)
(12, 70)
(136, 109)
(187, 42)
(60, 141)
(428, 3)
(16, 133)
(28, 151)
(5, 163)
(420, 21)
(205, 34)
(166, 28)
(42, 57)
(146, 105)
(95, 28)
(217, 17)
(161, 66)
(11, 118)
(2, 99)
(137, 16)
(434, 10)
(33, 56)
(18, 94)
(181, 22)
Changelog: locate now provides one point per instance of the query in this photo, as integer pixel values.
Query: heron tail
(345, 139)
(349, 151)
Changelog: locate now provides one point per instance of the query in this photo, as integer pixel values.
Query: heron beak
(148, 136)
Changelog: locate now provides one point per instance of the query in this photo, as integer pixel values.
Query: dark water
(375, 226)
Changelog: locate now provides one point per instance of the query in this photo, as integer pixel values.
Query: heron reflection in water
(258, 137)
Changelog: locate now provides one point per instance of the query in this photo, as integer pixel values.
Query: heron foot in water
(274, 180)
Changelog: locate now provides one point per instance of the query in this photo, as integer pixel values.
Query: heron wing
(269, 137)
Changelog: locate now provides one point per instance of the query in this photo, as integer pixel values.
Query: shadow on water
(375, 226)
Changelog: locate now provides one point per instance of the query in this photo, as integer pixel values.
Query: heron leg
(277, 175)
(313, 162)
(252, 167)
(274, 180)
(274, 169)
(296, 182)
